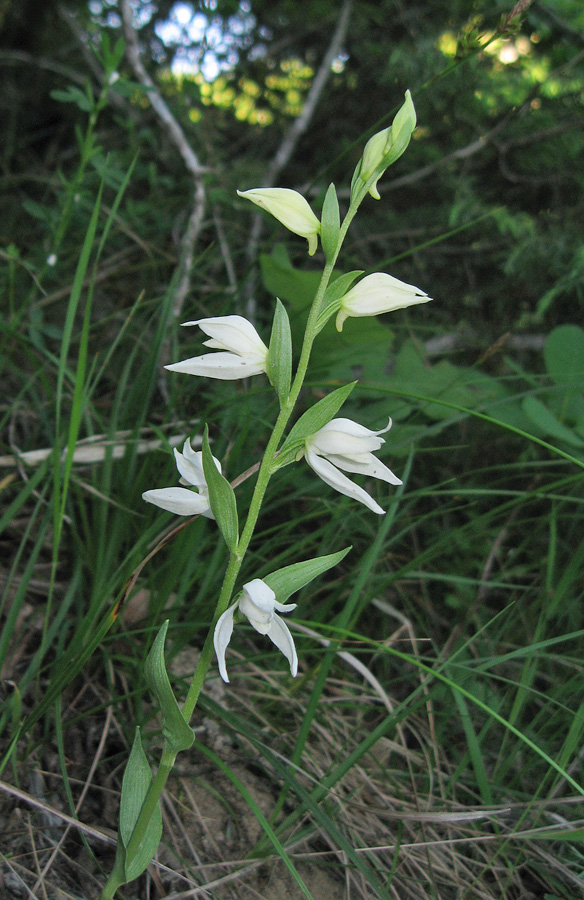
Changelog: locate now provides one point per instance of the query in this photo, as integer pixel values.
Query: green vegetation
(431, 744)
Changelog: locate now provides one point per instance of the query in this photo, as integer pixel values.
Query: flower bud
(388, 145)
(291, 209)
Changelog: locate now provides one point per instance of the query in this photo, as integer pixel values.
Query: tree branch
(293, 135)
(190, 159)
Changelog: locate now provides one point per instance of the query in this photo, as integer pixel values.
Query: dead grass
(395, 806)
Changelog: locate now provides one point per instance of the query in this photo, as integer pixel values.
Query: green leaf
(73, 95)
(290, 579)
(339, 287)
(178, 735)
(544, 419)
(221, 497)
(135, 786)
(280, 353)
(414, 374)
(310, 422)
(564, 355)
(330, 223)
(336, 289)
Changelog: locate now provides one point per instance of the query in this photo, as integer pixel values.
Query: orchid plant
(330, 445)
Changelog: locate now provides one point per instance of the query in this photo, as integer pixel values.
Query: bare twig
(189, 157)
(293, 135)
(16, 57)
(172, 127)
(300, 124)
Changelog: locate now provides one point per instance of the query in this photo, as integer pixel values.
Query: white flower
(257, 602)
(180, 500)
(378, 293)
(344, 444)
(291, 209)
(245, 352)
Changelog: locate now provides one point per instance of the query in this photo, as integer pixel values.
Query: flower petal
(221, 638)
(345, 437)
(381, 292)
(279, 634)
(335, 479)
(257, 602)
(232, 333)
(180, 501)
(224, 366)
(364, 464)
(285, 607)
(290, 208)
(190, 467)
(378, 293)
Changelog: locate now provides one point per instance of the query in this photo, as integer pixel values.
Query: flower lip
(347, 437)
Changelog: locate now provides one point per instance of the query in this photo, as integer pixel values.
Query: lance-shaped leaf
(221, 497)
(330, 223)
(290, 579)
(178, 735)
(280, 353)
(310, 422)
(332, 297)
(135, 785)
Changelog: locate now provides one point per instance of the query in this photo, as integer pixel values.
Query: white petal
(286, 205)
(346, 437)
(279, 634)
(260, 595)
(225, 366)
(379, 293)
(180, 501)
(221, 638)
(285, 607)
(335, 479)
(364, 464)
(233, 333)
(190, 465)
(190, 468)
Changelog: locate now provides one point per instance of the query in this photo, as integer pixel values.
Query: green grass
(454, 772)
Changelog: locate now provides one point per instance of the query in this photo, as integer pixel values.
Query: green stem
(207, 651)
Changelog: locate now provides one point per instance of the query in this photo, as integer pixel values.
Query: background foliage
(475, 572)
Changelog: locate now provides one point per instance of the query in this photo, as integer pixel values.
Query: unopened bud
(388, 145)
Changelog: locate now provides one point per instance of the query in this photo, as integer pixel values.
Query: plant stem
(265, 472)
